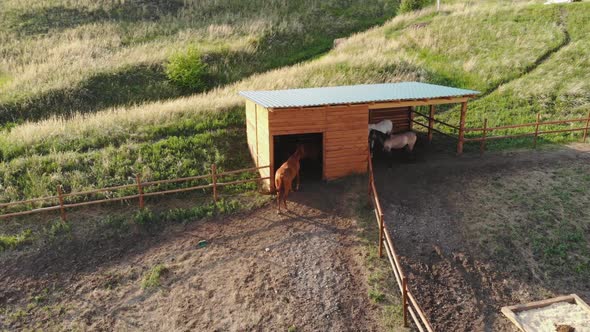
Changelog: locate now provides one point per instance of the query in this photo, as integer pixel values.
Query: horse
(376, 136)
(385, 126)
(393, 141)
(400, 141)
(284, 176)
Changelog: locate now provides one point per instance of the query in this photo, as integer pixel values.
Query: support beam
(462, 128)
(430, 123)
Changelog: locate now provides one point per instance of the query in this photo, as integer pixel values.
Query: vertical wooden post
(430, 123)
(381, 235)
(482, 145)
(139, 190)
(62, 210)
(587, 125)
(214, 177)
(412, 109)
(462, 128)
(537, 129)
(405, 299)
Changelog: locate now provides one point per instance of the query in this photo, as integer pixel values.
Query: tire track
(542, 59)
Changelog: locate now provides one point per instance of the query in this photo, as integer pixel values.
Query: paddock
(335, 120)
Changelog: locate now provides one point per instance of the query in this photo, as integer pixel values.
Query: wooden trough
(512, 312)
(341, 116)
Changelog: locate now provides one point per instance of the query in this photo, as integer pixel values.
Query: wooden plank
(419, 102)
(511, 311)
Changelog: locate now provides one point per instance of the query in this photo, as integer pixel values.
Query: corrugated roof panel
(353, 94)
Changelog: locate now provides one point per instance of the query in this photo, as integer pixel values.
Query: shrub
(187, 70)
(152, 278)
(411, 5)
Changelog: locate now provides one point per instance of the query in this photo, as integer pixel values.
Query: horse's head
(300, 151)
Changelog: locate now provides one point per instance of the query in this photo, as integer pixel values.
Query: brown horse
(285, 175)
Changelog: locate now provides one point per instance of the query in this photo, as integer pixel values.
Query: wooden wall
(399, 116)
(346, 147)
(259, 140)
(251, 129)
(345, 134)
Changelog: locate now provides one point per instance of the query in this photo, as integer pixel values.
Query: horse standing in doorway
(286, 174)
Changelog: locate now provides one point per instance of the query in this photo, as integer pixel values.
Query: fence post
(537, 129)
(462, 128)
(214, 178)
(405, 299)
(139, 190)
(381, 235)
(482, 145)
(62, 210)
(587, 125)
(430, 123)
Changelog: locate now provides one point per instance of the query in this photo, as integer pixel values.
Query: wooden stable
(341, 115)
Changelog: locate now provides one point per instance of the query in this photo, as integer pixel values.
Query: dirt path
(259, 271)
(423, 200)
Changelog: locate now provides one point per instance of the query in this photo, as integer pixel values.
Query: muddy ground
(259, 271)
(437, 206)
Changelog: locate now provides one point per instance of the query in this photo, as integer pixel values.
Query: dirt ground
(426, 201)
(259, 271)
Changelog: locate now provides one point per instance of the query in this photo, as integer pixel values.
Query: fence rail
(410, 304)
(60, 197)
(431, 122)
(485, 130)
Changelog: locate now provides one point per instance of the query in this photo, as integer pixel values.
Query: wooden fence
(485, 130)
(140, 195)
(535, 134)
(410, 304)
(431, 122)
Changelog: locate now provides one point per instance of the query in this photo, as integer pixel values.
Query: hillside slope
(61, 57)
(525, 58)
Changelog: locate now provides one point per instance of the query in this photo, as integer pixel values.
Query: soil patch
(256, 271)
(432, 204)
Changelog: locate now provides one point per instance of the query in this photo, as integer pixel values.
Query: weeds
(59, 228)
(153, 277)
(383, 290)
(15, 241)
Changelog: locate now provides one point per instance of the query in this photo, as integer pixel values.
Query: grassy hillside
(525, 57)
(60, 57)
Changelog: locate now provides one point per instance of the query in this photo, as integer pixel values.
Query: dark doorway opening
(311, 163)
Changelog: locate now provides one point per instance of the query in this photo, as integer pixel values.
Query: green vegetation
(187, 70)
(67, 57)
(152, 278)
(407, 6)
(383, 289)
(15, 241)
(526, 58)
(534, 221)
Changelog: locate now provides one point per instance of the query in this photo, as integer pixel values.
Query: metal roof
(353, 94)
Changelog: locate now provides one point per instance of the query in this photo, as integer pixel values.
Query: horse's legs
(297, 188)
(285, 198)
(279, 200)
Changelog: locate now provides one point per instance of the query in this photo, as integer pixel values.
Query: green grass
(16, 240)
(516, 54)
(152, 279)
(535, 221)
(383, 290)
(80, 56)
